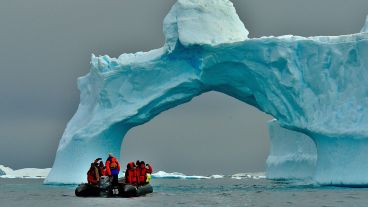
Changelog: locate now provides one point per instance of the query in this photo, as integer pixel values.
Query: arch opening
(212, 134)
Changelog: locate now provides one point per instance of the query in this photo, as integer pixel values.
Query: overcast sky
(46, 44)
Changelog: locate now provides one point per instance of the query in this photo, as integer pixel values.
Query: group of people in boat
(138, 173)
(135, 174)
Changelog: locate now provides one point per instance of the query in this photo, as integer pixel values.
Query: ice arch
(314, 85)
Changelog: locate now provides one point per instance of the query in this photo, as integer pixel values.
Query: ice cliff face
(315, 85)
(293, 155)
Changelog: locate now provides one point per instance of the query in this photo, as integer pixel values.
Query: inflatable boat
(104, 189)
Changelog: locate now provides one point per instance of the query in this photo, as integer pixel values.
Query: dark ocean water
(206, 192)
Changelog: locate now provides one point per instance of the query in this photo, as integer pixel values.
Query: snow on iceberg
(293, 155)
(314, 85)
(193, 22)
(6, 172)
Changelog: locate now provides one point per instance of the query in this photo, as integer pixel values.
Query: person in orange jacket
(131, 174)
(142, 171)
(93, 176)
(112, 168)
(100, 166)
(149, 168)
(102, 169)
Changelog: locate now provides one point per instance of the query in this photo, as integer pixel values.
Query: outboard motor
(104, 182)
(104, 185)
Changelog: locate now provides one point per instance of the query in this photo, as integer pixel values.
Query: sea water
(183, 192)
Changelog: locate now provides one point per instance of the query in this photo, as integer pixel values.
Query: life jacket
(131, 174)
(112, 166)
(148, 178)
(92, 176)
(102, 171)
(142, 174)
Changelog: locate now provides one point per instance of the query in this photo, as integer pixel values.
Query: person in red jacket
(131, 174)
(102, 169)
(142, 171)
(93, 176)
(149, 168)
(112, 168)
(100, 166)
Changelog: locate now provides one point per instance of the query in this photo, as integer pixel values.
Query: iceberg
(2, 172)
(217, 176)
(7, 172)
(293, 155)
(176, 175)
(256, 176)
(365, 27)
(312, 85)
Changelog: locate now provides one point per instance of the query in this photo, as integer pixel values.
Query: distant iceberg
(2, 172)
(7, 172)
(176, 175)
(217, 176)
(257, 175)
(365, 27)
